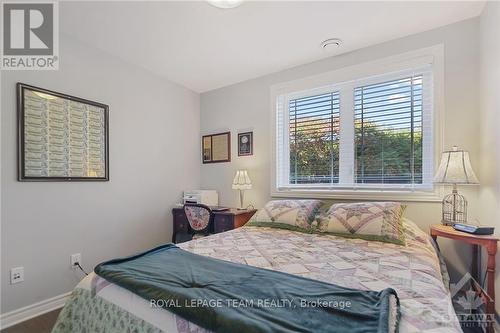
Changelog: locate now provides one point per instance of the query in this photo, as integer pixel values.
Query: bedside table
(222, 221)
(489, 242)
(231, 219)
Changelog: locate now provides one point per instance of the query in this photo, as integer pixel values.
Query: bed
(415, 271)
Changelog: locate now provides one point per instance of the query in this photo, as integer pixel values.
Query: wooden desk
(222, 221)
(489, 242)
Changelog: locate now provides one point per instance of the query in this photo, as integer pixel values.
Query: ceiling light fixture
(331, 43)
(225, 4)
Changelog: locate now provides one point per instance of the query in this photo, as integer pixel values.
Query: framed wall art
(61, 137)
(216, 148)
(245, 144)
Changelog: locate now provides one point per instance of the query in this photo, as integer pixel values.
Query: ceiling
(203, 48)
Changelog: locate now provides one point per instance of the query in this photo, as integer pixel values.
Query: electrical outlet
(75, 259)
(16, 275)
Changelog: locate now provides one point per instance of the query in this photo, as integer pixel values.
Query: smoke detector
(332, 43)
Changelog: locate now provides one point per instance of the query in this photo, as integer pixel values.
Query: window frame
(346, 80)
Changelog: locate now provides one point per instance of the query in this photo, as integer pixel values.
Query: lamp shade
(241, 180)
(455, 168)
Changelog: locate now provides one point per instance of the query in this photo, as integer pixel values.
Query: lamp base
(448, 223)
(454, 208)
(241, 201)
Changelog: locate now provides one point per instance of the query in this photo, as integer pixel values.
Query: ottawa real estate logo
(470, 303)
(30, 36)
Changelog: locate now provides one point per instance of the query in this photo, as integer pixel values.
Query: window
(372, 133)
(388, 132)
(314, 123)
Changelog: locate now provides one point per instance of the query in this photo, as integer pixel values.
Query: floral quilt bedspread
(412, 270)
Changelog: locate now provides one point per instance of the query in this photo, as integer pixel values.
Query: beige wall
(489, 172)
(247, 106)
(153, 133)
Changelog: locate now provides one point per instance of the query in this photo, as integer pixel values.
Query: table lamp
(242, 182)
(455, 169)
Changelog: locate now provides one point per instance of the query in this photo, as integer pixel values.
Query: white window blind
(373, 133)
(314, 131)
(388, 132)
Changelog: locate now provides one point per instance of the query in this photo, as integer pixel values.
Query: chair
(199, 218)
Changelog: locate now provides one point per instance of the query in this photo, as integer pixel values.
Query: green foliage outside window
(385, 156)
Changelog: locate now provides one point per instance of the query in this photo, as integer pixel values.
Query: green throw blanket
(227, 297)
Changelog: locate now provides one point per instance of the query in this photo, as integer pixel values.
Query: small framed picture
(216, 148)
(245, 144)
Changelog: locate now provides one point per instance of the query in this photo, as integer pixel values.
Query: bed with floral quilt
(414, 270)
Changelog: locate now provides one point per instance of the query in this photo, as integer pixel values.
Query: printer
(204, 197)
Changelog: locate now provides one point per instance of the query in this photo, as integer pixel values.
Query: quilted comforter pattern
(413, 270)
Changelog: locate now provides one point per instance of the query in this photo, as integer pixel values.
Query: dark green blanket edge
(100, 270)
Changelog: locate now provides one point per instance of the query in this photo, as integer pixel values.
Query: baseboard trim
(31, 311)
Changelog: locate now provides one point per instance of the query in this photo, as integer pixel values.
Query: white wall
(246, 106)
(154, 155)
(489, 196)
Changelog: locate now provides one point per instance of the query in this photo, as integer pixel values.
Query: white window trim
(431, 55)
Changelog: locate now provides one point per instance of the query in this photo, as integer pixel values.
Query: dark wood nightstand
(489, 242)
(222, 221)
(231, 219)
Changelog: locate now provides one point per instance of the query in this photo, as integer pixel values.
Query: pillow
(414, 233)
(288, 214)
(379, 221)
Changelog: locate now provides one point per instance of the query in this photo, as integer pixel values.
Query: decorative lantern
(454, 208)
